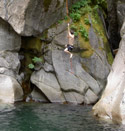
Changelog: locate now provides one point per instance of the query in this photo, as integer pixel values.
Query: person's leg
(71, 55)
(66, 50)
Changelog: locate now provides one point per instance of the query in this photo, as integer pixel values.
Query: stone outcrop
(10, 89)
(31, 17)
(9, 39)
(116, 15)
(77, 85)
(120, 13)
(10, 42)
(48, 84)
(54, 80)
(112, 103)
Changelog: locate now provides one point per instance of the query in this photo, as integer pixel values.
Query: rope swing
(67, 11)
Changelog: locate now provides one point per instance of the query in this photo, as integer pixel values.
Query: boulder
(112, 103)
(10, 64)
(37, 95)
(49, 85)
(10, 90)
(31, 17)
(9, 60)
(9, 39)
(90, 97)
(74, 97)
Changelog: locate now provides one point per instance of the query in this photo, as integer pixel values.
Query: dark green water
(51, 117)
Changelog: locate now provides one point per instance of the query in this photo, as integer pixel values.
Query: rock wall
(32, 17)
(22, 18)
(116, 13)
(10, 42)
(54, 80)
(112, 103)
(58, 82)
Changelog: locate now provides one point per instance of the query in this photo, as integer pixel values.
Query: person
(69, 46)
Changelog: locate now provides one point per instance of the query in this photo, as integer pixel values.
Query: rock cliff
(111, 105)
(53, 80)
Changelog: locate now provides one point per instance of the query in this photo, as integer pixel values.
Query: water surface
(51, 117)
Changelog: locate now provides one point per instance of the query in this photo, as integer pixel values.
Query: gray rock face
(97, 64)
(120, 13)
(48, 84)
(38, 96)
(112, 103)
(9, 40)
(116, 15)
(113, 23)
(30, 17)
(77, 85)
(10, 90)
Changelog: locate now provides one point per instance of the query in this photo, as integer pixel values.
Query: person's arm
(69, 34)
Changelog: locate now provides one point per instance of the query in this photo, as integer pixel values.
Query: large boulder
(112, 103)
(49, 85)
(31, 17)
(10, 43)
(10, 90)
(9, 40)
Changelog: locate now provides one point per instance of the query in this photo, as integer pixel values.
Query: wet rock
(10, 90)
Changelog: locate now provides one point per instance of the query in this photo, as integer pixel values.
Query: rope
(67, 10)
(71, 65)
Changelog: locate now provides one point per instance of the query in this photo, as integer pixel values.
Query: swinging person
(69, 46)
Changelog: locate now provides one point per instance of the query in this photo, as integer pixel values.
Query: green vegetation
(35, 60)
(31, 66)
(83, 32)
(86, 21)
(75, 17)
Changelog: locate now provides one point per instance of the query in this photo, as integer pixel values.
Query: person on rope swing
(69, 46)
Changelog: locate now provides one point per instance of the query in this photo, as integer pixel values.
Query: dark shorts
(70, 47)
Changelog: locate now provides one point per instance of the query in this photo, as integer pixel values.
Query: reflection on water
(51, 117)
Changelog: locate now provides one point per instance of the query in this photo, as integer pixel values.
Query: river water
(51, 117)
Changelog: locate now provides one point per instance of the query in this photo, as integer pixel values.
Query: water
(51, 117)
